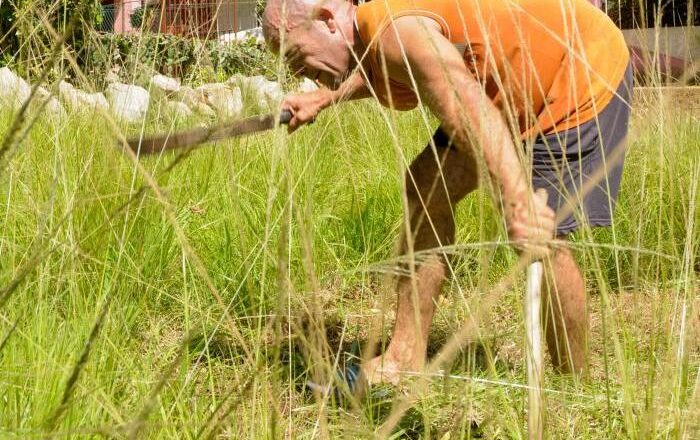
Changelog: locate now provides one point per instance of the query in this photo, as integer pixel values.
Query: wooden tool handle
(533, 332)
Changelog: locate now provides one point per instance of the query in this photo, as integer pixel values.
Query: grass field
(194, 300)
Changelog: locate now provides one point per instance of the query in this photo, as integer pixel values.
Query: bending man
(540, 79)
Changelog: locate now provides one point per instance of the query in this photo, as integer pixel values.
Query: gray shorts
(581, 168)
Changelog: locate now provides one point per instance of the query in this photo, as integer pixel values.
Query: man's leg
(432, 191)
(565, 313)
(600, 144)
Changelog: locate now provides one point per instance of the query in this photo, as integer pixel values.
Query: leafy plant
(29, 28)
(143, 17)
(628, 14)
(195, 60)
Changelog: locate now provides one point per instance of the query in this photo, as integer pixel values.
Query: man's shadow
(287, 347)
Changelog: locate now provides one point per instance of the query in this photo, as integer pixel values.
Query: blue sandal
(347, 380)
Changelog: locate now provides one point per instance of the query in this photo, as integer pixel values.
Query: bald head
(284, 15)
(315, 36)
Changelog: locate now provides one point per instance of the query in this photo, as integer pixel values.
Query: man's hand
(530, 223)
(306, 106)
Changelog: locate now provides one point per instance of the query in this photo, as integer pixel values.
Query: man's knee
(563, 258)
(435, 182)
(432, 202)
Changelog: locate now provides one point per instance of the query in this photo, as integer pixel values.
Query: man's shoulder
(373, 17)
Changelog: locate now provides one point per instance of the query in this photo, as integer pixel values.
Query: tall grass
(325, 203)
(194, 296)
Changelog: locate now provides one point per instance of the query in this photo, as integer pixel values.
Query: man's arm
(418, 55)
(306, 106)
(354, 87)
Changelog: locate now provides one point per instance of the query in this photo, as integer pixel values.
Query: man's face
(314, 51)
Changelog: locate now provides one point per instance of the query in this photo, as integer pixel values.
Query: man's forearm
(475, 124)
(352, 88)
(491, 133)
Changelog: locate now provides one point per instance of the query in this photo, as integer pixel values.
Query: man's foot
(349, 381)
(384, 369)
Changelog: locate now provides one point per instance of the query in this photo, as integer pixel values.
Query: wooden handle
(533, 332)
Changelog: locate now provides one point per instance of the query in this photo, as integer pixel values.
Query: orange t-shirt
(549, 65)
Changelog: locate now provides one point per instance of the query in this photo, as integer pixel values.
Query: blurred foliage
(145, 17)
(259, 9)
(628, 14)
(26, 41)
(8, 38)
(137, 17)
(142, 54)
(28, 29)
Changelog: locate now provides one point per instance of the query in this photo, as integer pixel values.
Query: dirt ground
(676, 98)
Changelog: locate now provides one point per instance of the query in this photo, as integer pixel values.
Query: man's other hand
(306, 106)
(530, 223)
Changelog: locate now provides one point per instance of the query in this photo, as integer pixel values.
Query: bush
(25, 46)
(629, 14)
(25, 41)
(142, 54)
(136, 18)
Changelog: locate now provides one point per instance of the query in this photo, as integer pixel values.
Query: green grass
(210, 288)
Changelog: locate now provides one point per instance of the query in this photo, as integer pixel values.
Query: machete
(197, 136)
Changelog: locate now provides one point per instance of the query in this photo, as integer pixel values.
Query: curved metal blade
(197, 136)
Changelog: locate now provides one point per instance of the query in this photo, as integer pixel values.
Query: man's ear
(328, 17)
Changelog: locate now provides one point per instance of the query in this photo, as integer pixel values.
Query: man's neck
(357, 46)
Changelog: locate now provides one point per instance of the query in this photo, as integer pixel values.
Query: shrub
(140, 55)
(628, 14)
(25, 40)
(25, 45)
